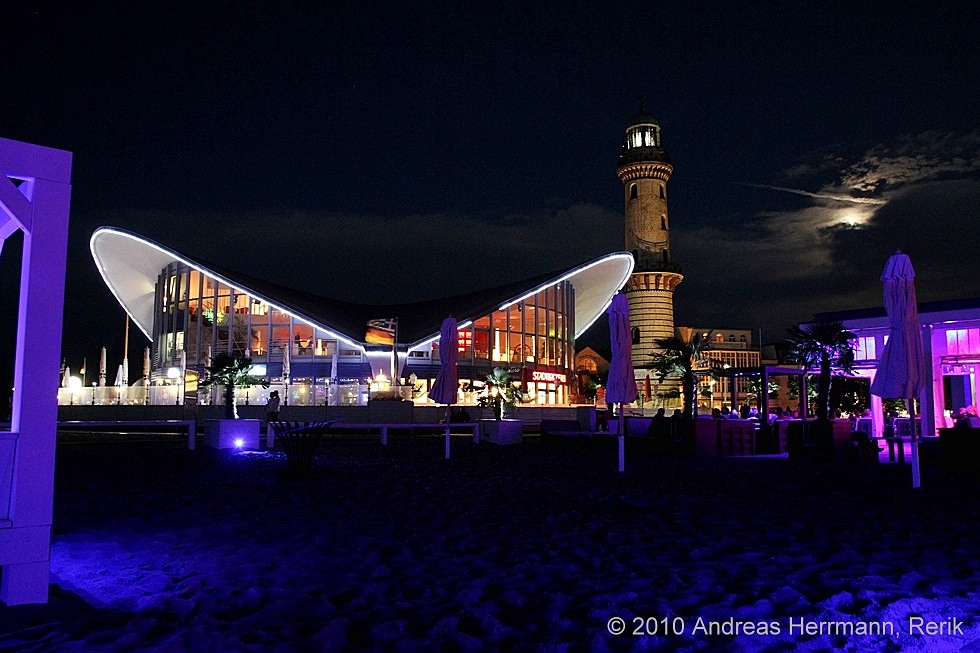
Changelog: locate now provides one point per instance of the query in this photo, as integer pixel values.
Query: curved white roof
(130, 264)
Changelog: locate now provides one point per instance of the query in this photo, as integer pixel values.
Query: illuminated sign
(548, 377)
(381, 332)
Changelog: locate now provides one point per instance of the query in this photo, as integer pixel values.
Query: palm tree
(500, 393)
(231, 371)
(753, 385)
(680, 357)
(829, 347)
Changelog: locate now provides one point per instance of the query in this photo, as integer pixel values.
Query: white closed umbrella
(285, 364)
(207, 367)
(146, 366)
(120, 377)
(102, 365)
(621, 387)
(900, 368)
(65, 377)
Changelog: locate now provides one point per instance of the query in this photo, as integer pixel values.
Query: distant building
(729, 348)
(591, 368)
(951, 349)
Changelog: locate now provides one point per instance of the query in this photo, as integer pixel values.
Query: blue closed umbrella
(446, 385)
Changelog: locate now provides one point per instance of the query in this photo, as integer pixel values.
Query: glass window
(280, 338)
(864, 349)
(962, 342)
(464, 344)
(481, 344)
(279, 317)
(302, 340)
(259, 341)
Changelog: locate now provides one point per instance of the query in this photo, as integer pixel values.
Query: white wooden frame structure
(35, 193)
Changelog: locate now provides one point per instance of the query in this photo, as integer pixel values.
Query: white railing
(295, 394)
(137, 395)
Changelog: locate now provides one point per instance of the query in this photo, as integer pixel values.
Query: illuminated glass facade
(199, 316)
(534, 338)
(323, 351)
(202, 316)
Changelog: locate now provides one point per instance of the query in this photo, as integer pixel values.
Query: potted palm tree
(827, 347)
(500, 395)
(232, 372)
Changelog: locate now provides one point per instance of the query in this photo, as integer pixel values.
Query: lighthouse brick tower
(644, 168)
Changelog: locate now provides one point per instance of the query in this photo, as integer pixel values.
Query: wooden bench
(188, 425)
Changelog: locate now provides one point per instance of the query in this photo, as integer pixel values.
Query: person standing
(272, 407)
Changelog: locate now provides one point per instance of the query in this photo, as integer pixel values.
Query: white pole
(622, 440)
(915, 445)
(448, 416)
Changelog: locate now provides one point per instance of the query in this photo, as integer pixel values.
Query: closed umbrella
(120, 377)
(65, 377)
(621, 387)
(207, 367)
(102, 364)
(285, 364)
(146, 366)
(446, 385)
(124, 379)
(900, 368)
(332, 388)
(183, 372)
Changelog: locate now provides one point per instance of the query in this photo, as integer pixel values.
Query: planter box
(223, 433)
(503, 431)
(809, 439)
(707, 443)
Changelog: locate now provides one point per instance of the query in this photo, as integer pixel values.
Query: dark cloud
(778, 267)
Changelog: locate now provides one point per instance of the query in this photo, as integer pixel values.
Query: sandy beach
(540, 546)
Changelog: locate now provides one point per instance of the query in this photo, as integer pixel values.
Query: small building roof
(929, 313)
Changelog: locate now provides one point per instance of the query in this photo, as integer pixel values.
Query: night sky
(393, 152)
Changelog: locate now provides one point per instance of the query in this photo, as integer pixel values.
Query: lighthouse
(644, 168)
